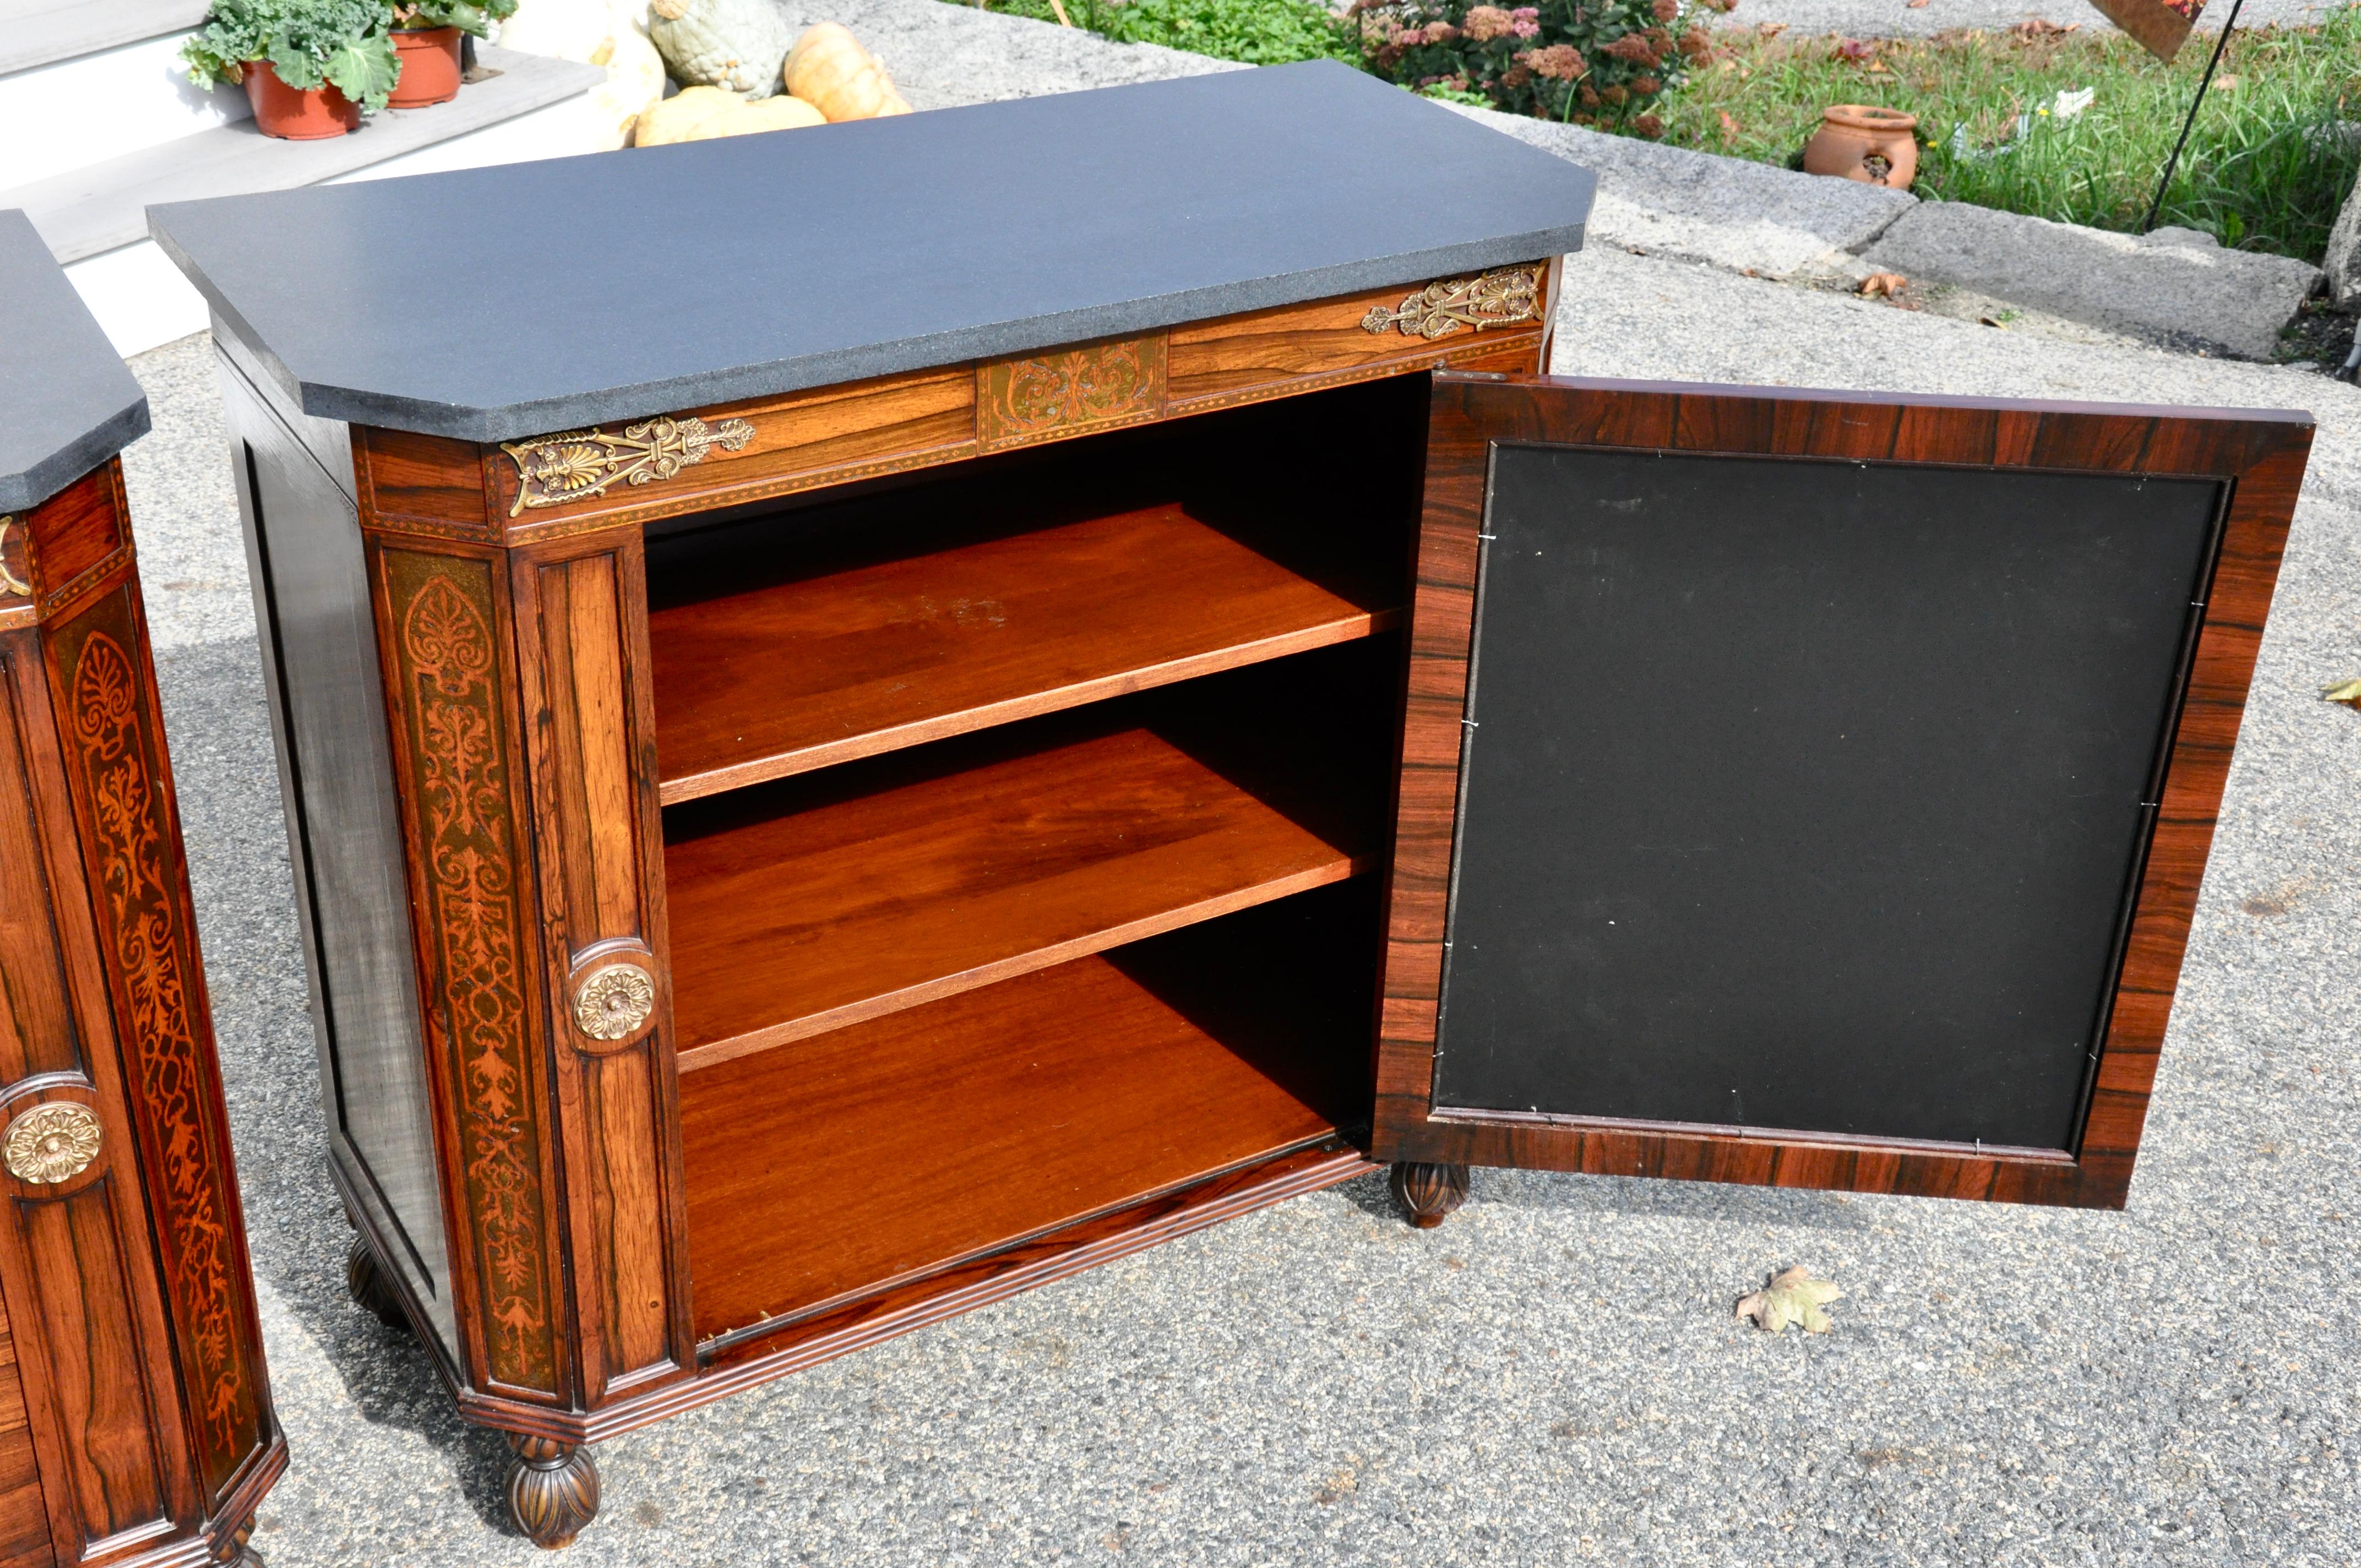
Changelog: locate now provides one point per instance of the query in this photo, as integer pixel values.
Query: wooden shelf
(817, 903)
(759, 675)
(903, 1146)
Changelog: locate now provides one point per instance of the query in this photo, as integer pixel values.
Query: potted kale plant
(427, 37)
(311, 68)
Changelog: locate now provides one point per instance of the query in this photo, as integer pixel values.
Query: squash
(737, 44)
(699, 114)
(595, 32)
(829, 69)
(677, 117)
(782, 112)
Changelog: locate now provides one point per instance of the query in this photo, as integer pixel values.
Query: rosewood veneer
(136, 1423)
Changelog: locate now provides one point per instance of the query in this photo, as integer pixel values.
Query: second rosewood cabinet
(852, 758)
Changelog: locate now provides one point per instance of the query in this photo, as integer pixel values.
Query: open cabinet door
(1811, 789)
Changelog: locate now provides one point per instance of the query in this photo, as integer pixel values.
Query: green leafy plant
(2004, 123)
(1259, 32)
(342, 43)
(468, 15)
(1591, 62)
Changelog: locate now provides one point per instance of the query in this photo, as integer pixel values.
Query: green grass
(2263, 170)
(1259, 32)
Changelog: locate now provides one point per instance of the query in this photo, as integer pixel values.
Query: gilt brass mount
(576, 464)
(1501, 298)
(612, 1002)
(51, 1144)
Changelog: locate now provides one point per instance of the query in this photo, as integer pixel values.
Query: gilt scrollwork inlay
(614, 1001)
(1501, 298)
(51, 1144)
(576, 464)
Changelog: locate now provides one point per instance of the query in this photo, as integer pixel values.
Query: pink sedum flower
(1485, 23)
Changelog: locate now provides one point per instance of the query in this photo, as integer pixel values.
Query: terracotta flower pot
(1860, 142)
(297, 113)
(429, 67)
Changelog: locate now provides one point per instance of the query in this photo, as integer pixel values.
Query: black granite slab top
(495, 303)
(66, 403)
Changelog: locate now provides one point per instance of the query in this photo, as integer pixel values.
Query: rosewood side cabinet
(882, 723)
(136, 1425)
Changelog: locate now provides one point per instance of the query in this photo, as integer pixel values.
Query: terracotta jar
(1860, 142)
(429, 67)
(294, 113)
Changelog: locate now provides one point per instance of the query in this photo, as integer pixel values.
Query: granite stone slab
(67, 404)
(497, 303)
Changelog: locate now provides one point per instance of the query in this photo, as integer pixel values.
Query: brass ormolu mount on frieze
(576, 464)
(1500, 298)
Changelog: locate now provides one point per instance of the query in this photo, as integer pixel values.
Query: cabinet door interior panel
(1812, 788)
(1808, 795)
(804, 906)
(1088, 1085)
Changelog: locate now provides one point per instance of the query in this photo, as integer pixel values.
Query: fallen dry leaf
(2034, 28)
(1728, 126)
(1992, 321)
(1886, 283)
(1916, 6)
(2346, 692)
(1793, 1297)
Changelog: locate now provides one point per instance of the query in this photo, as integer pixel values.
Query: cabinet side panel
(327, 705)
(24, 1520)
(581, 616)
(104, 690)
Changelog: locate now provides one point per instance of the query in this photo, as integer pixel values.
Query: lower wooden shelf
(813, 904)
(902, 1146)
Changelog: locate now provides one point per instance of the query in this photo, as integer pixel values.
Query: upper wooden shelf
(819, 903)
(844, 659)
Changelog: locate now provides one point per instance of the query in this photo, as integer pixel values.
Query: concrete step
(94, 220)
(102, 206)
(40, 32)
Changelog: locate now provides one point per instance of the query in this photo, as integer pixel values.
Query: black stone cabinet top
(66, 403)
(497, 303)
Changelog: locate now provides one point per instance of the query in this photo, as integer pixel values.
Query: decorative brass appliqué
(1496, 299)
(575, 465)
(51, 1144)
(614, 1001)
(9, 581)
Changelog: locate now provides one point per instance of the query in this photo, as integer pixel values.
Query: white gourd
(595, 32)
(737, 44)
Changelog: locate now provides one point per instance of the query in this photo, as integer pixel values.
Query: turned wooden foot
(553, 1490)
(235, 1553)
(365, 1278)
(1427, 1192)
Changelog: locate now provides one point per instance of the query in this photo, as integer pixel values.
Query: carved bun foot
(1427, 1192)
(553, 1490)
(235, 1553)
(365, 1278)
